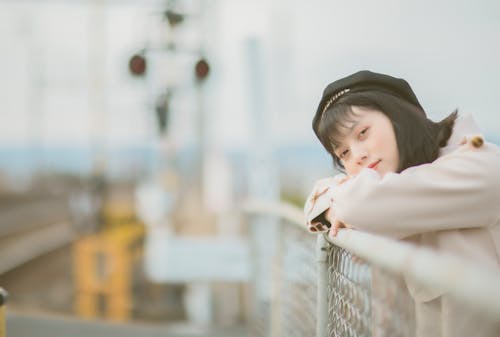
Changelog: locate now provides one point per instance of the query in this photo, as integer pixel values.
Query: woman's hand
(318, 204)
(336, 224)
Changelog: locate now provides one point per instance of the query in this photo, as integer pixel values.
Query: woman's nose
(360, 155)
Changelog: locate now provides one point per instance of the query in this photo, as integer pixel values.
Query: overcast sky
(65, 81)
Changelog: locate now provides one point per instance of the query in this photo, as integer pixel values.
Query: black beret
(366, 81)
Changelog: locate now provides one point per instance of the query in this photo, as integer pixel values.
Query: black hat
(366, 81)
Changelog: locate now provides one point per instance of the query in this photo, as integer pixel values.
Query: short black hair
(418, 138)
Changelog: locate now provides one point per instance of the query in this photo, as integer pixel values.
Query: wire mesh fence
(365, 300)
(298, 282)
(285, 295)
(349, 294)
(362, 285)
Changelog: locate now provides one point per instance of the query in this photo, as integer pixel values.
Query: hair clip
(334, 98)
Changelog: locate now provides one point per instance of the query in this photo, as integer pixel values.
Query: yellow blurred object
(2, 321)
(3, 299)
(103, 269)
(117, 212)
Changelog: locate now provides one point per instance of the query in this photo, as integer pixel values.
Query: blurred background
(132, 131)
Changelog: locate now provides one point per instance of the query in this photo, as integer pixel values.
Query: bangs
(335, 125)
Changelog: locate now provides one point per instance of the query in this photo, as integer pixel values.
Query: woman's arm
(458, 190)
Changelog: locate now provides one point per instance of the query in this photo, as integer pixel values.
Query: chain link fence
(285, 280)
(371, 299)
(349, 294)
(364, 300)
(298, 282)
(361, 285)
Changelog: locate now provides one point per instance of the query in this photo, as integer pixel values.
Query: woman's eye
(344, 153)
(363, 132)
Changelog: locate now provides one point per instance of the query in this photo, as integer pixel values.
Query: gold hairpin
(334, 98)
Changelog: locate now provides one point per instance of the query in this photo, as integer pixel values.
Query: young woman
(436, 184)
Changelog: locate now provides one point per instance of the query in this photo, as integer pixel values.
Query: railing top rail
(287, 211)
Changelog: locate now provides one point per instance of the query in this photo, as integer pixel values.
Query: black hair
(418, 138)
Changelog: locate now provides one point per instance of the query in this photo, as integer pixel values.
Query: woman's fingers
(333, 231)
(336, 226)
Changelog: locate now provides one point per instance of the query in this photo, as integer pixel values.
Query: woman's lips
(374, 164)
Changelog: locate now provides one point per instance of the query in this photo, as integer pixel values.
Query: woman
(434, 184)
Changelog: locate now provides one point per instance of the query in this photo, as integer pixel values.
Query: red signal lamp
(201, 69)
(137, 65)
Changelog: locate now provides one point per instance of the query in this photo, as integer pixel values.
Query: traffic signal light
(174, 18)
(137, 65)
(201, 69)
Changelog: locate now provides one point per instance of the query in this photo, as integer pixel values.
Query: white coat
(451, 204)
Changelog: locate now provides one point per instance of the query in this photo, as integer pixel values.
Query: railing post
(3, 299)
(322, 291)
(276, 323)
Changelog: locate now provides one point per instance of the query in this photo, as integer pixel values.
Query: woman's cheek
(350, 169)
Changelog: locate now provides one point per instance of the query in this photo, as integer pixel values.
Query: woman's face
(369, 142)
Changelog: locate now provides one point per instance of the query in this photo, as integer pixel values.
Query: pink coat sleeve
(458, 190)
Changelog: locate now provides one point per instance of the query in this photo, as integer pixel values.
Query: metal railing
(412, 291)
(366, 285)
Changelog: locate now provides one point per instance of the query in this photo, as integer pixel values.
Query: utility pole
(97, 86)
